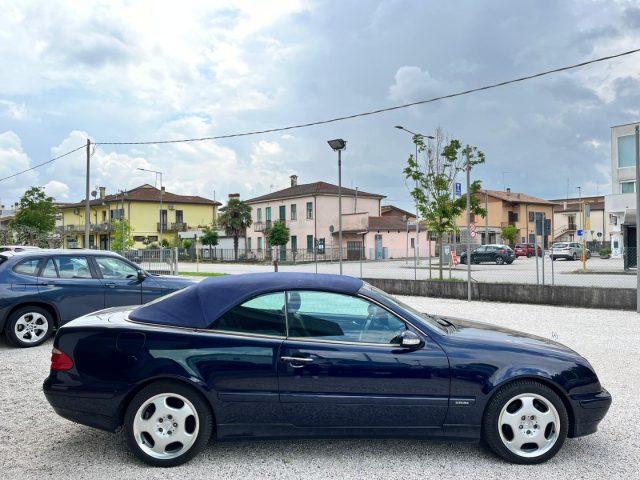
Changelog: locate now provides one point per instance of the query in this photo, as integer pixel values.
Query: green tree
(510, 234)
(121, 239)
(434, 178)
(36, 217)
(187, 243)
(235, 218)
(210, 237)
(277, 236)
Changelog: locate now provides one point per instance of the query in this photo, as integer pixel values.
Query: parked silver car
(568, 251)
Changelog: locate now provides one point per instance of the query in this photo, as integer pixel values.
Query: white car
(17, 248)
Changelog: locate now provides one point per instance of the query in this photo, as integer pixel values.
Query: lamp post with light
(338, 145)
(158, 173)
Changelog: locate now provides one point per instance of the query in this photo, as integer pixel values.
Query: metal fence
(161, 261)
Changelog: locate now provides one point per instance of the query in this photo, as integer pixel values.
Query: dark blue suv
(41, 290)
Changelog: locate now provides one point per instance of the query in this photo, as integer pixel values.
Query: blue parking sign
(458, 189)
(579, 233)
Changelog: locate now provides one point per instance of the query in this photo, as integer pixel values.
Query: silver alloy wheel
(529, 425)
(166, 426)
(31, 327)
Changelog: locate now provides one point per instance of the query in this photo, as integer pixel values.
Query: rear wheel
(528, 255)
(29, 326)
(525, 422)
(167, 424)
(499, 260)
(574, 257)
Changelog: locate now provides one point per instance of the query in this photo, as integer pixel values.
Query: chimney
(294, 180)
(234, 195)
(508, 191)
(102, 192)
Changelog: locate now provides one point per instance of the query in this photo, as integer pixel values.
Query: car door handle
(293, 360)
(110, 285)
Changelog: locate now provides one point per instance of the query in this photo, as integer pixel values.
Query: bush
(604, 252)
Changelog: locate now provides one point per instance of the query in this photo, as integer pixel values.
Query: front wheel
(525, 422)
(167, 424)
(499, 261)
(29, 327)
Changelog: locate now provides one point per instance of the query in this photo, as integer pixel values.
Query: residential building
(507, 208)
(141, 207)
(393, 211)
(620, 205)
(311, 213)
(567, 220)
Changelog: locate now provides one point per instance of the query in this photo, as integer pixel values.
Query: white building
(620, 205)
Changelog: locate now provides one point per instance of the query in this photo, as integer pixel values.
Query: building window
(152, 238)
(179, 216)
(259, 214)
(249, 243)
(294, 213)
(309, 243)
(309, 210)
(413, 243)
(282, 212)
(626, 151)
(260, 243)
(139, 238)
(117, 214)
(267, 214)
(627, 187)
(294, 243)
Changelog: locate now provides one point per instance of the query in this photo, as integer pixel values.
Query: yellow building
(141, 207)
(508, 208)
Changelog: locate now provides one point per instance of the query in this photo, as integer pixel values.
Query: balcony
(265, 226)
(172, 227)
(93, 228)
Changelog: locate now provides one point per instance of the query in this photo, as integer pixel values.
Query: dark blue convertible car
(43, 289)
(302, 355)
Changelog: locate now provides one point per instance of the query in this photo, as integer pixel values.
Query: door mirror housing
(141, 275)
(409, 339)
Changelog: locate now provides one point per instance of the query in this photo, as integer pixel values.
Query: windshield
(560, 245)
(432, 321)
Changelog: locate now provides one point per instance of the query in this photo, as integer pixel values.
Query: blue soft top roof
(199, 305)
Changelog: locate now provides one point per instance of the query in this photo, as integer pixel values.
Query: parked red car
(526, 250)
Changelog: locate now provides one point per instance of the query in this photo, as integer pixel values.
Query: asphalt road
(523, 270)
(36, 443)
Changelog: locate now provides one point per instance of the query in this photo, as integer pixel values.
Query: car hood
(172, 281)
(500, 338)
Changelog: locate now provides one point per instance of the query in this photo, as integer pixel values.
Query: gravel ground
(36, 443)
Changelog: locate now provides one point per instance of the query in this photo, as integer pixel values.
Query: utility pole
(87, 213)
(468, 229)
(417, 249)
(544, 219)
(340, 208)
(535, 245)
(637, 211)
(553, 221)
(486, 217)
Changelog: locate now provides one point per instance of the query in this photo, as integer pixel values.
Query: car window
(28, 267)
(479, 250)
(262, 315)
(72, 267)
(49, 270)
(559, 245)
(115, 268)
(332, 316)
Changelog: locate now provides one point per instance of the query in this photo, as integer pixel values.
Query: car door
(120, 281)
(340, 366)
(478, 255)
(69, 283)
(491, 253)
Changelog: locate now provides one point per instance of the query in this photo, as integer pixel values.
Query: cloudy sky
(119, 71)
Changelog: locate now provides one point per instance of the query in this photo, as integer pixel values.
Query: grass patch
(203, 274)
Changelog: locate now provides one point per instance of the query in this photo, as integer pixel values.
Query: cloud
(412, 83)
(13, 159)
(15, 111)
(57, 190)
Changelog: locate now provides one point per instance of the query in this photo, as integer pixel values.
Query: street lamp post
(158, 173)
(417, 252)
(338, 145)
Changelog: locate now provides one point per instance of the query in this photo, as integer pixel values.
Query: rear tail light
(60, 361)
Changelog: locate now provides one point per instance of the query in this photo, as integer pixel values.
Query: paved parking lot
(604, 273)
(36, 443)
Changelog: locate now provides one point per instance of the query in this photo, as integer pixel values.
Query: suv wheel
(499, 260)
(29, 327)
(574, 257)
(525, 422)
(167, 424)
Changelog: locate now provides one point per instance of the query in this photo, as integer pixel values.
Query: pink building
(311, 213)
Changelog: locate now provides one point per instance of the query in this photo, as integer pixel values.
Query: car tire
(528, 255)
(166, 411)
(499, 261)
(574, 257)
(534, 402)
(29, 327)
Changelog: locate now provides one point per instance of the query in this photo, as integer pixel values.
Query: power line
(382, 110)
(42, 164)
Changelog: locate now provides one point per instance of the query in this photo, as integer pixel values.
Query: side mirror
(141, 275)
(409, 339)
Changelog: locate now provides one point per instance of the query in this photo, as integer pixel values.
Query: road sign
(472, 230)
(458, 189)
(579, 233)
(454, 258)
